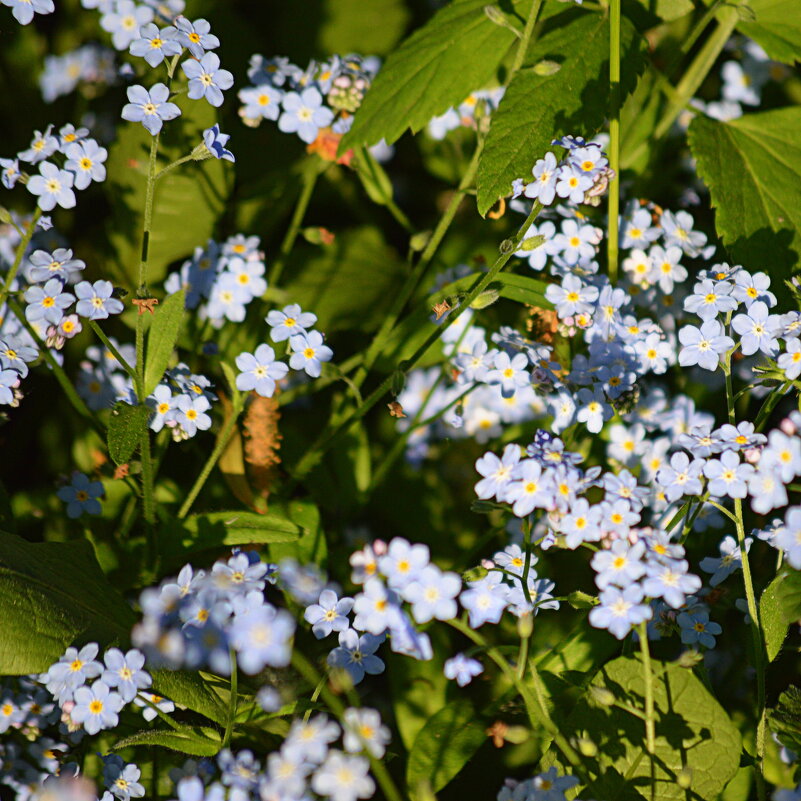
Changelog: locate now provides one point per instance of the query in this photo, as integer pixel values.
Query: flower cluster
(306, 102)
(482, 102)
(181, 402)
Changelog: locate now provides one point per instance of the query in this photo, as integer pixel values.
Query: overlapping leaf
(775, 25)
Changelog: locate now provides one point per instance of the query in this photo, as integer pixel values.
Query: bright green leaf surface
(776, 27)
(188, 689)
(125, 428)
(538, 108)
(779, 606)
(752, 166)
(162, 336)
(692, 729)
(353, 26)
(443, 747)
(44, 607)
(195, 741)
(438, 66)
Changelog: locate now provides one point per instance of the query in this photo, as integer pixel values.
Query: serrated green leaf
(779, 606)
(53, 595)
(456, 52)
(200, 741)
(537, 108)
(775, 25)
(126, 425)
(162, 336)
(785, 718)
(190, 690)
(752, 166)
(187, 201)
(692, 731)
(353, 26)
(214, 529)
(443, 747)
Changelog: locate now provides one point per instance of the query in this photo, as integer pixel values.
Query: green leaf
(201, 741)
(312, 545)
(126, 425)
(190, 690)
(349, 285)
(53, 595)
(752, 167)
(775, 25)
(214, 529)
(779, 606)
(668, 10)
(692, 731)
(353, 26)
(187, 201)
(785, 719)
(443, 747)
(162, 336)
(538, 108)
(456, 52)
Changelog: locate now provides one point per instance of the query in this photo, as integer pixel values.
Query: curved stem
(161, 173)
(8, 280)
(113, 350)
(222, 441)
(648, 680)
(314, 168)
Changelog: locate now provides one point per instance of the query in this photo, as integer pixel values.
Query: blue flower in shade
(309, 353)
(48, 302)
(259, 371)
(53, 187)
(86, 159)
(356, 654)
(697, 628)
(788, 537)
(620, 610)
(23, 10)
(206, 79)
(9, 172)
(215, 143)
(151, 108)
(155, 45)
(261, 102)
(196, 36)
(44, 144)
(81, 495)
(96, 707)
(95, 300)
(304, 114)
(730, 560)
(463, 669)
(9, 381)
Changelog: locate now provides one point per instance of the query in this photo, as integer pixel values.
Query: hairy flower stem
(612, 238)
(229, 726)
(328, 439)
(757, 633)
(315, 167)
(18, 256)
(222, 442)
(648, 680)
(113, 350)
(307, 670)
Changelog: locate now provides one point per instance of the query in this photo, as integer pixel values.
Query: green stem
(612, 239)
(229, 726)
(329, 377)
(648, 679)
(536, 707)
(329, 438)
(770, 404)
(18, 256)
(414, 278)
(312, 676)
(525, 39)
(163, 715)
(161, 173)
(314, 168)
(222, 442)
(114, 352)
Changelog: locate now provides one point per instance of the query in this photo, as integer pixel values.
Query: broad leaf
(537, 108)
(162, 336)
(779, 606)
(187, 201)
(443, 747)
(353, 26)
(438, 66)
(190, 690)
(692, 731)
(775, 25)
(785, 719)
(752, 166)
(668, 10)
(214, 529)
(193, 740)
(312, 545)
(126, 425)
(53, 595)
(350, 284)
